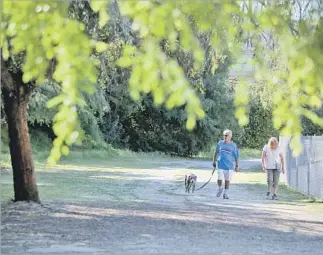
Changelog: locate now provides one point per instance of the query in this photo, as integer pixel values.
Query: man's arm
(214, 160)
(215, 154)
(237, 165)
(236, 159)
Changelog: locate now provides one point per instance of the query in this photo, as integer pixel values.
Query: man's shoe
(219, 192)
(225, 196)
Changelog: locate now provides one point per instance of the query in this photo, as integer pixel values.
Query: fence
(305, 172)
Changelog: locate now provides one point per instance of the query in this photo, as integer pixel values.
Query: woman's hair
(272, 142)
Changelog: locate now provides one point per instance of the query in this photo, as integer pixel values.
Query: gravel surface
(161, 218)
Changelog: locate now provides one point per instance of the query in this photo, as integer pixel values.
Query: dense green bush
(260, 127)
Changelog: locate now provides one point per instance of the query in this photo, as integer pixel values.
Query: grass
(82, 175)
(96, 175)
(86, 173)
(75, 186)
(290, 190)
(41, 146)
(86, 156)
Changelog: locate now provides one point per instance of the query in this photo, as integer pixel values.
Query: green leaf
(97, 5)
(5, 50)
(27, 76)
(190, 123)
(159, 96)
(65, 150)
(103, 17)
(56, 101)
(315, 101)
(101, 46)
(296, 145)
(200, 113)
(124, 61)
(135, 94)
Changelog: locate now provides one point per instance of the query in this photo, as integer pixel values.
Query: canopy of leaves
(43, 31)
(294, 86)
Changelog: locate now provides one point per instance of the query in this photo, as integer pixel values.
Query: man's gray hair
(227, 132)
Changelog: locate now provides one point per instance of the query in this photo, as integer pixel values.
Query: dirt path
(157, 217)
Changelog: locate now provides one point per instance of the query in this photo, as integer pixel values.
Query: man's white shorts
(225, 174)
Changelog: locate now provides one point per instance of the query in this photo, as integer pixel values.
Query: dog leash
(207, 181)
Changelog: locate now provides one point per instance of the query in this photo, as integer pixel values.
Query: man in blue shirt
(226, 154)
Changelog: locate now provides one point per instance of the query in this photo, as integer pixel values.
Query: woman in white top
(273, 163)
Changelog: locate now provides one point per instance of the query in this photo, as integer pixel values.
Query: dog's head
(192, 177)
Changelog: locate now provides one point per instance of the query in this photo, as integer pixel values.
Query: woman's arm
(263, 160)
(282, 161)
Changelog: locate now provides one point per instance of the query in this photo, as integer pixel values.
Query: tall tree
(15, 95)
(34, 35)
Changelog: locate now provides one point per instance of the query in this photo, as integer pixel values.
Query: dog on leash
(190, 181)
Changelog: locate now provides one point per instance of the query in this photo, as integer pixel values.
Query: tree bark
(16, 95)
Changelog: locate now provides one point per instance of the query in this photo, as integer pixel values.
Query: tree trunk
(16, 95)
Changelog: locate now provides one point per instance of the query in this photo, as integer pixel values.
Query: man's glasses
(225, 135)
